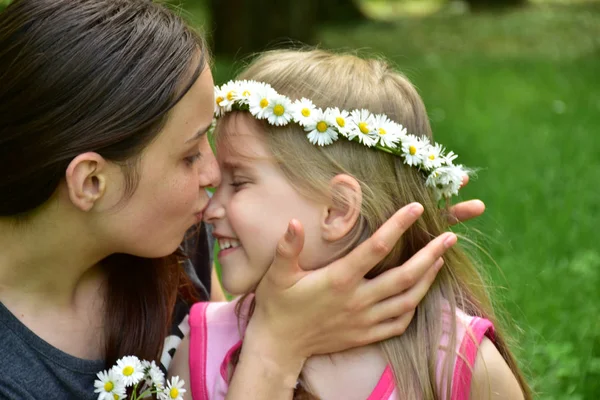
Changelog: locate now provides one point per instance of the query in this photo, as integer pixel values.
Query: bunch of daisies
(145, 377)
(324, 127)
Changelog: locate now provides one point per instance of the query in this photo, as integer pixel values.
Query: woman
(104, 106)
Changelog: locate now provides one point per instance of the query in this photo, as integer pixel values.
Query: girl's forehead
(239, 137)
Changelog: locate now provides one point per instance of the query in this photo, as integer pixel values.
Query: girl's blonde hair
(349, 82)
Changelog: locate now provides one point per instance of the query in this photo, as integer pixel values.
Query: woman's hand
(336, 308)
(300, 313)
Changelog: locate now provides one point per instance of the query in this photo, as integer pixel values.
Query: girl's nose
(214, 211)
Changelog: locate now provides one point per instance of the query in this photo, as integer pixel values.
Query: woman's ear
(86, 180)
(344, 207)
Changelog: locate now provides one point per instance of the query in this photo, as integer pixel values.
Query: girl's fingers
(399, 279)
(397, 306)
(465, 211)
(349, 270)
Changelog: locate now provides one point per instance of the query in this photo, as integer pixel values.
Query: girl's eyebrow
(231, 164)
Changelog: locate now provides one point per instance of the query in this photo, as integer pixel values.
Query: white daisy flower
(362, 125)
(412, 148)
(303, 111)
(446, 180)
(449, 158)
(387, 131)
(320, 131)
(153, 374)
(338, 119)
(130, 369)
(230, 92)
(279, 111)
(219, 99)
(432, 156)
(246, 88)
(109, 386)
(174, 390)
(260, 100)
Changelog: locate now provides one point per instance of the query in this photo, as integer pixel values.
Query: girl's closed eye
(238, 183)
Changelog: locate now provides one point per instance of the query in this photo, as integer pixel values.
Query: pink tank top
(215, 336)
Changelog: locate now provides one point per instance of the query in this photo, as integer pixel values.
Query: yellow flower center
(322, 126)
(174, 393)
(264, 103)
(340, 121)
(128, 370)
(382, 131)
(230, 95)
(412, 150)
(306, 112)
(219, 100)
(109, 386)
(246, 93)
(432, 157)
(363, 127)
(278, 110)
(116, 396)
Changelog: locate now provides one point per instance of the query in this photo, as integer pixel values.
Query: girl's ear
(86, 180)
(344, 208)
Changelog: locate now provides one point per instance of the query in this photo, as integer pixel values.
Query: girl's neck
(351, 374)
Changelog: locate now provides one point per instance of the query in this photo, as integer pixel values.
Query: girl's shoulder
(470, 332)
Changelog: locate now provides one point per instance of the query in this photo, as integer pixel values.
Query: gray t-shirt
(32, 369)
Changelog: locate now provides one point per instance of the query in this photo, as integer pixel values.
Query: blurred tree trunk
(339, 11)
(241, 27)
(482, 5)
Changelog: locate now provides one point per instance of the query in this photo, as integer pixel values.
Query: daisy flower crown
(324, 127)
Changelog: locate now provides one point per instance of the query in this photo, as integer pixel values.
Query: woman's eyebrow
(202, 131)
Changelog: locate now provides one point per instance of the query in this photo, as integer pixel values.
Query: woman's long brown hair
(95, 75)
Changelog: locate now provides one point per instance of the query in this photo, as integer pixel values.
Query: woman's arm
(302, 313)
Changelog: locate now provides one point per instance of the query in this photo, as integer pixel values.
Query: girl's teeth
(228, 243)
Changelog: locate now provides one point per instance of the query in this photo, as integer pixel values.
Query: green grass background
(517, 94)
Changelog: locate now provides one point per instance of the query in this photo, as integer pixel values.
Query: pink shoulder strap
(465, 360)
(214, 332)
(197, 356)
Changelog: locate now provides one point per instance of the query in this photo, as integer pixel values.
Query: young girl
(340, 143)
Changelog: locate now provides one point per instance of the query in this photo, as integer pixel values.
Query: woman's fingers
(387, 329)
(465, 181)
(406, 302)
(465, 211)
(285, 271)
(349, 270)
(399, 279)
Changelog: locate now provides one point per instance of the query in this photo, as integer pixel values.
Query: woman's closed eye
(190, 160)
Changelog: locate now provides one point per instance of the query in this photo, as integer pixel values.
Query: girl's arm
(492, 378)
(302, 313)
